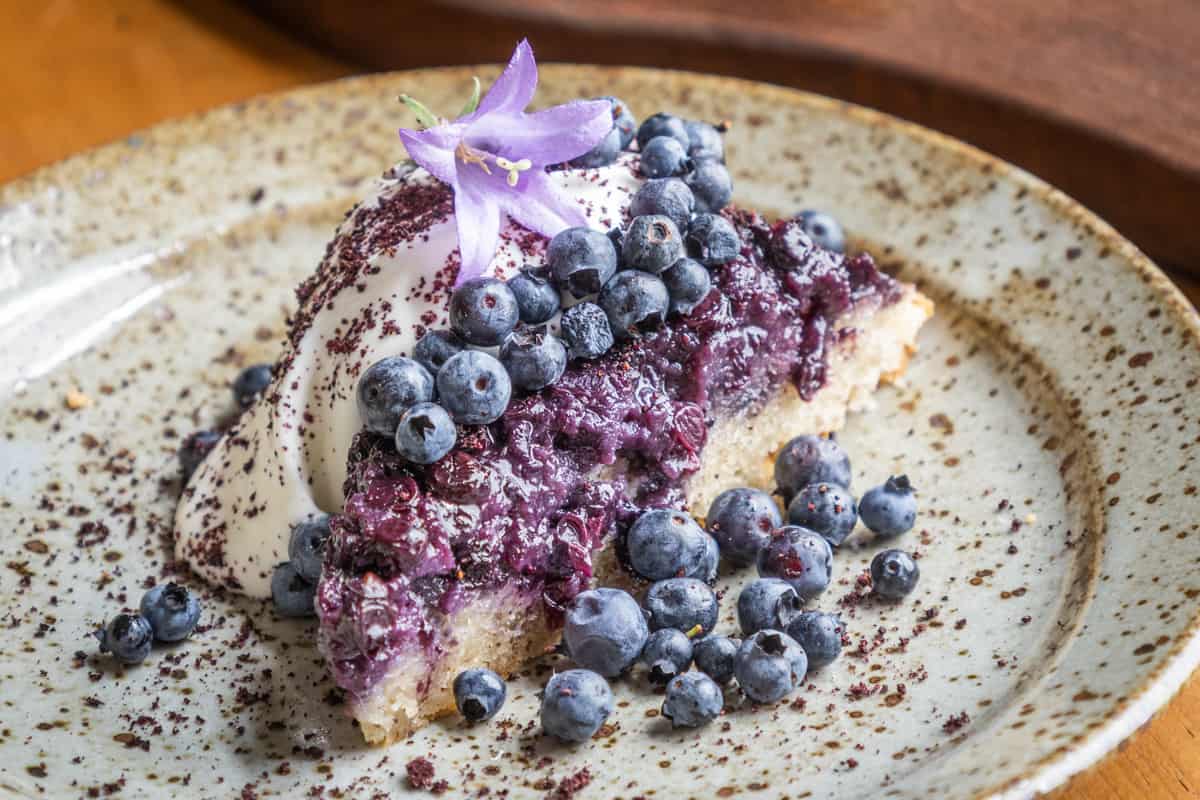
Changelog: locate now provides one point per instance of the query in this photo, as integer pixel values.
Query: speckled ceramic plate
(1049, 423)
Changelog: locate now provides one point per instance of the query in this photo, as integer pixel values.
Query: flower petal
(540, 206)
(553, 136)
(433, 149)
(477, 216)
(513, 90)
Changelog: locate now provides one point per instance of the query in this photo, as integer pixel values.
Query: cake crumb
(76, 400)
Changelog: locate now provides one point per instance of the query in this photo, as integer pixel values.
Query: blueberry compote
(522, 504)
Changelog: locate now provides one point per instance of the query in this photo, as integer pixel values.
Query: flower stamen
(469, 155)
(515, 168)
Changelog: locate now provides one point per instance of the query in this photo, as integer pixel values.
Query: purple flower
(495, 159)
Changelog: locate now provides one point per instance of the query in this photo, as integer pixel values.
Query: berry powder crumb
(420, 773)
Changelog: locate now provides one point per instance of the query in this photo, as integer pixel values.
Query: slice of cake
(472, 560)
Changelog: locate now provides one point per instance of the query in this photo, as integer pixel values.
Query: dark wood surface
(1099, 97)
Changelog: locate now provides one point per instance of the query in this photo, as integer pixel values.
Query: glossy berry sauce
(524, 503)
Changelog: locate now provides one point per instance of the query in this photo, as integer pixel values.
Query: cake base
(503, 631)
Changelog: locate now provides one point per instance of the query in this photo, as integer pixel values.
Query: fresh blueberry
(585, 331)
(894, 574)
(483, 311)
(436, 347)
(799, 556)
(652, 244)
(425, 433)
(711, 185)
(128, 637)
(688, 282)
(634, 301)
(810, 459)
(193, 450)
(683, 604)
(712, 240)
(662, 125)
(667, 653)
(825, 508)
(769, 666)
(171, 610)
(710, 564)
(825, 230)
(704, 141)
(820, 634)
(623, 119)
(581, 260)
(293, 596)
(669, 197)
(604, 153)
(767, 603)
(889, 510)
(742, 520)
(575, 704)
(249, 383)
(663, 157)
(605, 630)
(715, 656)
(387, 389)
(306, 546)
(479, 694)
(474, 387)
(533, 357)
(666, 544)
(537, 299)
(693, 699)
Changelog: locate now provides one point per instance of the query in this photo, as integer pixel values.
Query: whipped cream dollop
(385, 279)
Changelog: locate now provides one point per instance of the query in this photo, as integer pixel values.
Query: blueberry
(171, 610)
(533, 357)
(693, 699)
(479, 694)
(683, 604)
(704, 141)
(810, 459)
(669, 197)
(825, 508)
(742, 520)
(652, 244)
(604, 153)
(387, 389)
(128, 637)
(483, 311)
(474, 388)
(581, 260)
(791, 248)
(769, 665)
(425, 433)
(306, 546)
(193, 450)
(634, 301)
(605, 630)
(249, 383)
(711, 185)
(435, 348)
(537, 299)
(688, 282)
(668, 652)
(712, 240)
(623, 119)
(799, 556)
(767, 603)
(662, 125)
(820, 634)
(575, 704)
(585, 331)
(666, 544)
(715, 656)
(825, 230)
(663, 157)
(710, 564)
(894, 574)
(889, 510)
(293, 596)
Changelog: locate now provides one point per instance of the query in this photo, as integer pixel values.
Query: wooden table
(77, 73)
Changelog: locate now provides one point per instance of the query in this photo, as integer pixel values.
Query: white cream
(264, 476)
